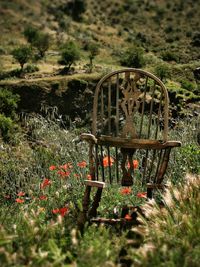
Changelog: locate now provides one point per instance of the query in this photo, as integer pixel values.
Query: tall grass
(38, 223)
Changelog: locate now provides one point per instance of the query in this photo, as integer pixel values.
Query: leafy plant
(22, 55)
(132, 57)
(69, 55)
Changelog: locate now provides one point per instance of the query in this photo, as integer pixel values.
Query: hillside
(167, 33)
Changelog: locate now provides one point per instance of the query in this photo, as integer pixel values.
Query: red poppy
(142, 194)
(63, 174)
(62, 211)
(128, 217)
(52, 168)
(135, 164)
(46, 182)
(76, 175)
(66, 166)
(55, 211)
(43, 197)
(89, 177)
(108, 161)
(125, 191)
(21, 194)
(19, 200)
(82, 164)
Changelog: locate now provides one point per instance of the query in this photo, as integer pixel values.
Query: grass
(41, 231)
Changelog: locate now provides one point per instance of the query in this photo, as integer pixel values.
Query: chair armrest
(90, 138)
(136, 143)
(95, 183)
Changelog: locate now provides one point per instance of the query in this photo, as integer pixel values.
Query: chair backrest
(131, 103)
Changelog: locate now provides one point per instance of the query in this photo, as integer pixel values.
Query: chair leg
(93, 211)
(83, 214)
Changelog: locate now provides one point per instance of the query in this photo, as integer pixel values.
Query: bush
(132, 57)
(162, 71)
(22, 55)
(41, 43)
(8, 103)
(170, 56)
(7, 127)
(69, 54)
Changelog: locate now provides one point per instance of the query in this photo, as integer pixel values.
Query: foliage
(8, 105)
(76, 8)
(132, 57)
(93, 50)
(69, 55)
(42, 184)
(22, 55)
(41, 43)
(162, 71)
(171, 233)
(30, 33)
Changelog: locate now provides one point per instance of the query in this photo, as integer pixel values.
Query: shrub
(196, 39)
(132, 57)
(69, 54)
(169, 56)
(162, 71)
(30, 33)
(22, 55)
(41, 43)
(93, 52)
(7, 127)
(8, 103)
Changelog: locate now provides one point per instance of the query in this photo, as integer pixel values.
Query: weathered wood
(130, 119)
(136, 143)
(93, 211)
(95, 183)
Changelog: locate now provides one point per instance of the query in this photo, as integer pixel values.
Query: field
(52, 54)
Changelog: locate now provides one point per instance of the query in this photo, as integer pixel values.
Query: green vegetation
(42, 185)
(69, 55)
(43, 164)
(22, 55)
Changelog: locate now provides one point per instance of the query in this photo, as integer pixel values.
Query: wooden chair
(129, 120)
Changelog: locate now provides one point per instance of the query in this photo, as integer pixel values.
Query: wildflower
(142, 194)
(108, 161)
(125, 191)
(89, 177)
(63, 174)
(19, 200)
(66, 166)
(135, 164)
(46, 182)
(63, 211)
(128, 217)
(21, 194)
(82, 164)
(52, 168)
(55, 211)
(43, 197)
(76, 175)
(41, 209)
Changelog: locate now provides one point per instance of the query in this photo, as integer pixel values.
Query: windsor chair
(129, 121)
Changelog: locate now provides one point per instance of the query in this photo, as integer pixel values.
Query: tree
(93, 52)
(22, 55)
(132, 57)
(69, 54)
(37, 39)
(41, 43)
(30, 33)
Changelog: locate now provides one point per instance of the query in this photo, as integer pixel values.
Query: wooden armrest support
(88, 137)
(156, 186)
(95, 183)
(136, 143)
